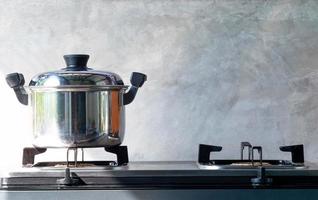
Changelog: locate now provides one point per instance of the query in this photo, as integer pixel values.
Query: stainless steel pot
(77, 106)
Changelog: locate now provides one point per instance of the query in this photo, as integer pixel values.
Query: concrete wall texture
(220, 72)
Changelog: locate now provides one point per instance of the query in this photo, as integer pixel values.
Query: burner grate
(29, 154)
(297, 155)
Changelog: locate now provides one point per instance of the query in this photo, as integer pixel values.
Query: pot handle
(137, 80)
(16, 82)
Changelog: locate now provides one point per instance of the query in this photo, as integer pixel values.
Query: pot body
(78, 118)
(77, 106)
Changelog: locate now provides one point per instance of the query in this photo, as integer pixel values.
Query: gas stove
(175, 178)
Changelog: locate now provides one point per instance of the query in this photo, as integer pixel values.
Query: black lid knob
(76, 61)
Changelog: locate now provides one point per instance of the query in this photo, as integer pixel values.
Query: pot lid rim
(77, 88)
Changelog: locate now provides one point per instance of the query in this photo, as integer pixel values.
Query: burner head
(80, 165)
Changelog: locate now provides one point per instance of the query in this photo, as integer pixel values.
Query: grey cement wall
(220, 72)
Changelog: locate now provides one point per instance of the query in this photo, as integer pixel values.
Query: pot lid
(76, 73)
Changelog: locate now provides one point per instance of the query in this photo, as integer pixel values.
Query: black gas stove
(208, 175)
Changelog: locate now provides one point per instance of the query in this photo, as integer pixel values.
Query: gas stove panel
(159, 175)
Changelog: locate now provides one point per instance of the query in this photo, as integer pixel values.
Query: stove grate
(29, 154)
(297, 156)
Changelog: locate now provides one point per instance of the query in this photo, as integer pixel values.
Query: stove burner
(79, 164)
(121, 152)
(297, 154)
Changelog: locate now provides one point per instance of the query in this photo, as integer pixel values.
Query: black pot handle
(137, 80)
(16, 82)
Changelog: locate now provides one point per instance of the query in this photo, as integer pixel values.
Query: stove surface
(160, 168)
